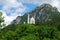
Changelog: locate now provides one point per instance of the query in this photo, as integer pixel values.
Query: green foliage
(46, 39)
(1, 19)
(30, 32)
(38, 22)
(30, 37)
(0, 14)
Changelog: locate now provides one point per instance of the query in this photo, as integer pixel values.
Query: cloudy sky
(13, 8)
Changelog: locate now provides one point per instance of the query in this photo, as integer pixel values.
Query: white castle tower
(31, 20)
(28, 19)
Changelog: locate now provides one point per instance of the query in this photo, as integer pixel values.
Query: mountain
(44, 13)
(17, 20)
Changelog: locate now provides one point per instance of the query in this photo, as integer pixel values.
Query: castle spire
(28, 19)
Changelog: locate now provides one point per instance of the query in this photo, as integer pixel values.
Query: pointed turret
(28, 19)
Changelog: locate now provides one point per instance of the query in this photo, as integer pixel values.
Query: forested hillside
(30, 32)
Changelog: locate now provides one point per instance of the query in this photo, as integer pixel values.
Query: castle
(30, 20)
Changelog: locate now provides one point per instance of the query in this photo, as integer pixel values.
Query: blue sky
(30, 6)
(1, 6)
(13, 8)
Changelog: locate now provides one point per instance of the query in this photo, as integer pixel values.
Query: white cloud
(8, 19)
(56, 4)
(38, 2)
(7, 4)
(11, 3)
